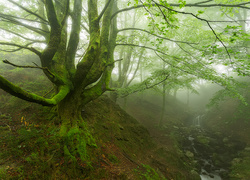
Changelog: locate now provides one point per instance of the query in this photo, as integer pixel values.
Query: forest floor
(127, 147)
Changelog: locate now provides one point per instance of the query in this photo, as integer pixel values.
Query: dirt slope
(125, 148)
(135, 144)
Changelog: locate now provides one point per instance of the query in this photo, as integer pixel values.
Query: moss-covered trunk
(73, 131)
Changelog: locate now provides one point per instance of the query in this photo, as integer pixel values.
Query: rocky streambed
(212, 153)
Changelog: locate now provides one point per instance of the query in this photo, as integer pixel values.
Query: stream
(212, 152)
(208, 170)
(204, 174)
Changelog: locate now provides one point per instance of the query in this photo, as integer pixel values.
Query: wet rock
(236, 161)
(203, 140)
(247, 149)
(211, 175)
(208, 168)
(195, 174)
(176, 127)
(189, 154)
(225, 140)
(211, 151)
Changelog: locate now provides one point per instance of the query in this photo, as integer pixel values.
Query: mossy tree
(58, 25)
(75, 86)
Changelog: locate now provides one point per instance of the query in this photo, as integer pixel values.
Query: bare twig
(27, 10)
(240, 5)
(23, 47)
(118, 60)
(48, 92)
(21, 36)
(37, 67)
(147, 87)
(138, 29)
(202, 2)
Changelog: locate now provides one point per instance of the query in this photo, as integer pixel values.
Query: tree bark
(74, 134)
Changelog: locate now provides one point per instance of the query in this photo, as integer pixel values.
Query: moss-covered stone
(240, 166)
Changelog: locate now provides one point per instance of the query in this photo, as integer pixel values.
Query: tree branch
(179, 60)
(51, 14)
(55, 35)
(37, 67)
(240, 5)
(146, 86)
(85, 28)
(23, 47)
(10, 19)
(146, 47)
(66, 13)
(22, 94)
(202, 2)
(25, 19)
(27, 10)
(104, 9)
(202, 19)
(74, 36)
(21, 36)
(138, 29)
(173, 65)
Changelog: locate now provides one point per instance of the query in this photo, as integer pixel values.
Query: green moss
(68, 155)
(148, 173)
(76, 141)
(203, 140)
(3, 173)
(22, 94)
(240, 169)
(75, 145)
(113, 158)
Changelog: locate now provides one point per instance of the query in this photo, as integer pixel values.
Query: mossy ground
(124, 148)
(240, 167)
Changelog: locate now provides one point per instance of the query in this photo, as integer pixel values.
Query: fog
(124, 89)
(199, 102)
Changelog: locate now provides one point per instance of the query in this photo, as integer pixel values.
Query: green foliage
(113, 158)
(182, 3)
(156, 78)
(34, 147)
(3, 174)
(242, 111)
(148, 173)
(223, 94)
(240, 167)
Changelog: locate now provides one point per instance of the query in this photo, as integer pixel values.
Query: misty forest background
(124, 89)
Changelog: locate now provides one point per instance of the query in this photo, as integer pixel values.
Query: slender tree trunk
(175, 94)
(113, 94)
(141, 79)
(163, 99)
(125, 102)
(163, 104)
(188, 99)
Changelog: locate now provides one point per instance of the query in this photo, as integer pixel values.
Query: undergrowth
(35, 151)
(30, 147)
(146, 172)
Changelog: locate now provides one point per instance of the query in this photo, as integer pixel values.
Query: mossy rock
(203, 140)
(240, 168)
